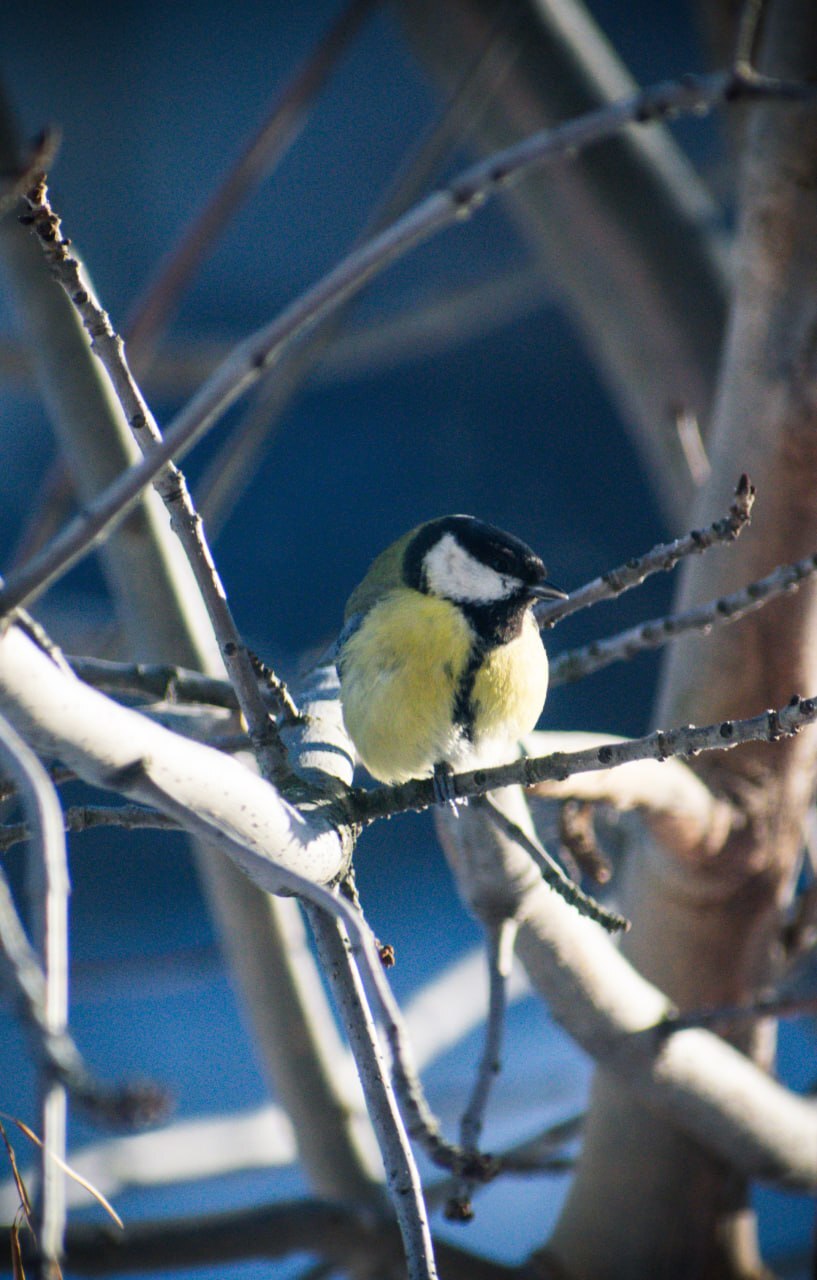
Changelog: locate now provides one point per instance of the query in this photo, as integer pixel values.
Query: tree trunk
(648, 1201)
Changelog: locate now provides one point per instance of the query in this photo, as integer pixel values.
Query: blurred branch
(542, 1154)
(499, 939)
(611, 229)
(237, 460)
(440, 1015)
(278, 132)
(45, 989)
(459, 201)
(768, 1006)
(333, 1231)
(422, 326)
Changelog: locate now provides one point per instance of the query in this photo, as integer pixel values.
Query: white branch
(705, 1087)
(48, 888)
(118, 749)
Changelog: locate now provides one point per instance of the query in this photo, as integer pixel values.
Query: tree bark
(648, 1201)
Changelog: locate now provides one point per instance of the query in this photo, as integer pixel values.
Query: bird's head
(474, 564)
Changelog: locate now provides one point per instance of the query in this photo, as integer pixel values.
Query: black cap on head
(491, 546)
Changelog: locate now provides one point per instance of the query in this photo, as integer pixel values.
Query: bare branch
(661, 559)
(128, 753)
(577, 663)
(499, 953)
(770, 726)
(155, 680)
(678, 805)
(706, 1087)
(131, 817)
(169, 482)
(402, 1176)
(702, 1085)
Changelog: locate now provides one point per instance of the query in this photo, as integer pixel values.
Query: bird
(440, 660)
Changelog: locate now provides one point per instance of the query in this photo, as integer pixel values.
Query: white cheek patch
(452, 572)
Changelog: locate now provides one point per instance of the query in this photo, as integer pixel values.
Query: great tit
(440, 659)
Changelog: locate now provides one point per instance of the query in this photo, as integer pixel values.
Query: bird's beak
(544, 591)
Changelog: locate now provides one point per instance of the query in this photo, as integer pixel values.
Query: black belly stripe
(464, 709)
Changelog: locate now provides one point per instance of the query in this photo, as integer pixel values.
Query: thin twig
(48, 890)
(269, 144)
(499, 952)
(157, 681)
(39, 160)
(770, 726)
(86, 817)
(464, 197)
(661, 558)
(544, 1154)
(170, 484)
(402, 1176)
(577, 663)
(769, 1006)
(553, 874)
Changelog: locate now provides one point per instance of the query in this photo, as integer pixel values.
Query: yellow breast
(398, 675)
(510, 688)
(400, 672)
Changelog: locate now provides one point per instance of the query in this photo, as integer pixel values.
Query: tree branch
(48, 893)
(661, 558)
(577, 663)
(334, 1231)
(770, 726)
(703, 1086)
(169, 483)
(442, 209)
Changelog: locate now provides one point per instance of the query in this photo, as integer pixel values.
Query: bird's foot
(444, 789)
